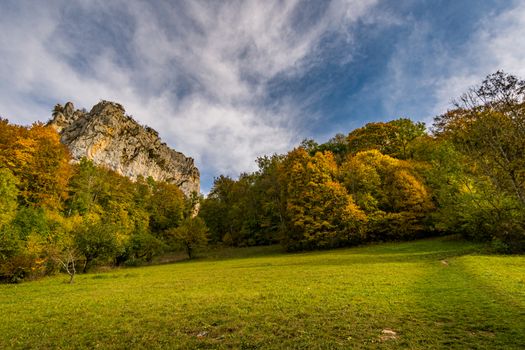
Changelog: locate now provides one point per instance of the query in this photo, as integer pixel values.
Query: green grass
(320, 300)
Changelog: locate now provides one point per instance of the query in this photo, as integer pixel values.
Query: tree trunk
(189, 251)
(86, 264)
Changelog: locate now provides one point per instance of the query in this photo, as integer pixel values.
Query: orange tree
(319, 212)
(390, 191)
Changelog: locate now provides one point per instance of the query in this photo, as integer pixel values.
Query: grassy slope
(334, 299)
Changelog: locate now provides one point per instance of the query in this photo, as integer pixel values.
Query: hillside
(429, 294)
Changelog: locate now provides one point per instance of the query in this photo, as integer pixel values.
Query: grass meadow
(430, 294)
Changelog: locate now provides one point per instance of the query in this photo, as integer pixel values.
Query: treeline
(384, 181)
(389, 181)
(58, 215)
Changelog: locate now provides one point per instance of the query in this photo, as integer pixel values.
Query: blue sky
(227, 81)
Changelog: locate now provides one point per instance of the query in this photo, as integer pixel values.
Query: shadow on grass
(430, 249)
(457, 309)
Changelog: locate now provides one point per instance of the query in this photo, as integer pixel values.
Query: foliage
(488, 128)
(248, 211)
(166, 206)
(8, 196)
(40, 162)
(392, 138)
(142, 247)
(319, 212)
(383, 181)
(95, 239)
(10, 250)
(192, 234)
(468, 178)
(391, 193)
(215, 209)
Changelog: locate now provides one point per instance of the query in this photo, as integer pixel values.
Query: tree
(85, 188)
(142, 246)
(392, 138)
(192, 234)
(66, 256)
(406, 132)
(166, 207)
(488, 127)
(337, 145)
(39, 161)
(391, 193)
(45, 176)
(10, 247)
(319, 211)
(488, 124)
(380, 136)
(247, 211)
(215, 210)
(269, 202)
(96, 239)
(8, 196)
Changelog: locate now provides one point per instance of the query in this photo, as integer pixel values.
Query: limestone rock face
(109, 137)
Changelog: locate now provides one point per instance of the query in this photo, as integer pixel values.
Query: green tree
(392, 138)
(166, 207)
(8, 196)
(380, 136)
(215, 210)
(142, 247)
(488, 128)
(405, 133)
(96, 240)
(192, 234)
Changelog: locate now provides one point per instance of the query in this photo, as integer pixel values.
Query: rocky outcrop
(109, 137)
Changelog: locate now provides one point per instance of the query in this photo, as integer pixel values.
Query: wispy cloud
(497, 45)
(426, 73)
(197, 71)
(227, 81)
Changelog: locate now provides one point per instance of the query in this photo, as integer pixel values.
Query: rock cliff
(109, 137)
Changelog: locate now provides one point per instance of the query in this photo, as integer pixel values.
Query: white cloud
(222, 53)
(497, 45)
(425, 74)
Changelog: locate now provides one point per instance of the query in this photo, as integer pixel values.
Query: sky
(225, 82)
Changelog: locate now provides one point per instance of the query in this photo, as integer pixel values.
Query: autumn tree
(391, 193)
(319, 211)
(40, 162)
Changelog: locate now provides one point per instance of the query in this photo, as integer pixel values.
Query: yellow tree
(319, 211)
(390, 191)
(38, 159)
